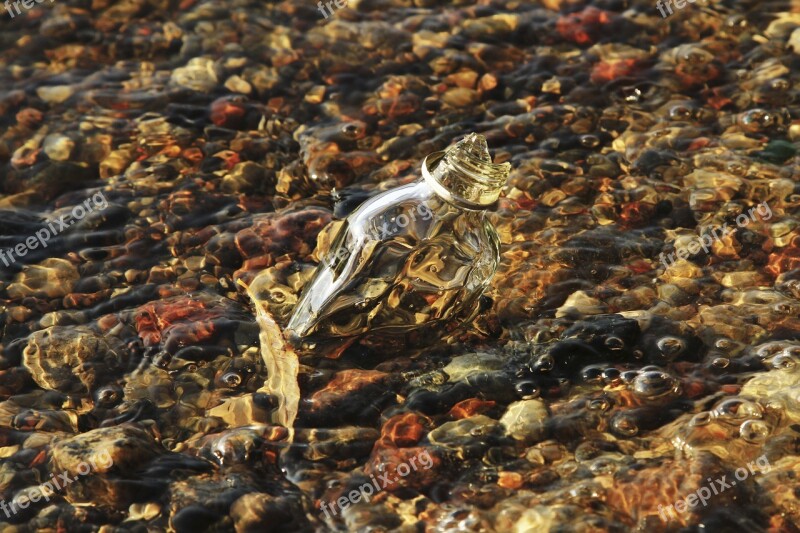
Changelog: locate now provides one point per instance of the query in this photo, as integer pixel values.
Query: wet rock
(259, 512)
(55, 94)
(243, 445)
(198, 75)
(73, 359)
(468, 436)
(350, 395)
(412, 467)
(526, 420)
(99, 460)
(123, 448)
(58, 147)
(268, 238)
(183, 321)
(462, 366)
(672, 481)
(52, 278)
(207, 499)
(339, 443)
(404, 430)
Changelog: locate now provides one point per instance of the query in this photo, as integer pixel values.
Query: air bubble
(610, 375)
(351, 130)
(614, 343)
(545, 363)
(232, 379)
(754, 431)
(680, 112)
(780, 85)
(671, 347)
(726, 344)
(695, 56)
(108, 396)
(736, 22)
(528, 390)
(654, 384)
(783, 308)
(603, 466)
(592, 374)
(769, 349)
(477, 432)
(735, 410)
(277, 297)
(784, 362)
(759, 119)
(625, 426)
(720, 362)
(598, 404)
(701, 419)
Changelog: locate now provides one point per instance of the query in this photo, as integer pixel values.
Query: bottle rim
(430, 163)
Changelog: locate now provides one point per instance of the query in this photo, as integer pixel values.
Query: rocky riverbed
(604, 386)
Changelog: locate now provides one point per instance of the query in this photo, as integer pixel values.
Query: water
(226, 137)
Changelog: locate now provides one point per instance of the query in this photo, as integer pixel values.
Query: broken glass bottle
(413, 257)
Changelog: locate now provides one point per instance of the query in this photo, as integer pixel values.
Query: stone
(526, 420)
(58, 147)
(72, 358)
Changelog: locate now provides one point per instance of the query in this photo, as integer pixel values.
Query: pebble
(58, 147)
(72, 359)
(55, 94)
(526, 420)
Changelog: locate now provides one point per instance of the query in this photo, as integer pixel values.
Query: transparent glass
(414, 257)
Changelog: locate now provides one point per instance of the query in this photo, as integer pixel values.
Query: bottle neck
(463, 182)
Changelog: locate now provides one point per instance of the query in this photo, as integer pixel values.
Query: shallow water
(192, 145)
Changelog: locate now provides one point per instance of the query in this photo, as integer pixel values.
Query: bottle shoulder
(415, 191)
(416, 206)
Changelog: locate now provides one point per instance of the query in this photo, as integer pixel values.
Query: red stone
(228, 111)
(783, 261)
(635, 214)
(182, 319)
(404, 430)
(470, 407)
(606, 71)
(583, 27)
(410, 461)
(343, 384)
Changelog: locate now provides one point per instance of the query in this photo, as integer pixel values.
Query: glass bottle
(417, 256)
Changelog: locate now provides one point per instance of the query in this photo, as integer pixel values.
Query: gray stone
(526, 420)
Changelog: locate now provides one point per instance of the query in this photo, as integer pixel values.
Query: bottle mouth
(464, 174)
